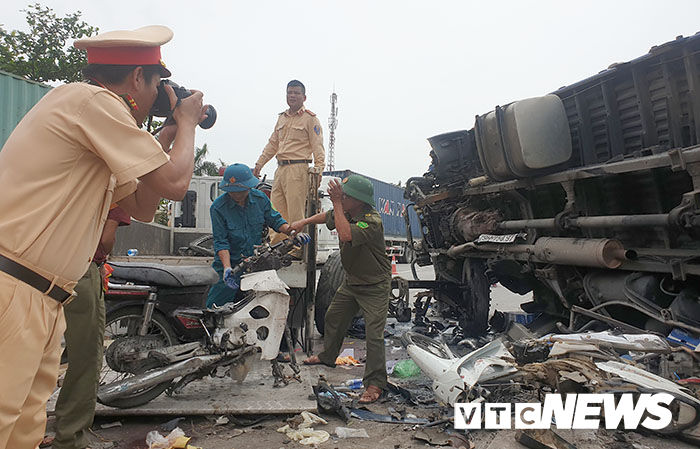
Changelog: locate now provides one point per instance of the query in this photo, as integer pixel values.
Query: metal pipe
(624, 221)
(517, 225)
(605, 221)
(601, 253)
(649, 313)
(134, 384)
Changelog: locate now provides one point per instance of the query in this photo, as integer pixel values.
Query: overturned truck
(588, 197)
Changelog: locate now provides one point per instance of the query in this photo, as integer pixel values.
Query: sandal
(283, 358)
(371, 394)
(313, 360)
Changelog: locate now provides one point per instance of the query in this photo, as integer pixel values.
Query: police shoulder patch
(317, 129)
(362, 225)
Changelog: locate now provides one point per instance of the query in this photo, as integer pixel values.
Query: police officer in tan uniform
(297, 136)
(367, 281)
(75, 152)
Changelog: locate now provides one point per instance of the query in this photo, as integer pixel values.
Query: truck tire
(332, 275)
(477, 297)
(408, 254)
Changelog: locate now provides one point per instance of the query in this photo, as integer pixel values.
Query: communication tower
(332, 124)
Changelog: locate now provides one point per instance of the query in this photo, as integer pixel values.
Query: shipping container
(17, 97)
(391, 205)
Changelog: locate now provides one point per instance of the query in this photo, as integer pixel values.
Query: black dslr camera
(161, 107)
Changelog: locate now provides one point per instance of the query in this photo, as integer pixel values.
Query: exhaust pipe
(149, 379)
(599, 253)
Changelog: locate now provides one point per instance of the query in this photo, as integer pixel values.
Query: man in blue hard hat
(238, 218)
(367, 282)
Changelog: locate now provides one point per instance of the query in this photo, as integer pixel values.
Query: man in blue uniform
(238, 218)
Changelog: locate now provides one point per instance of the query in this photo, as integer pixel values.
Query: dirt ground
(130, 432)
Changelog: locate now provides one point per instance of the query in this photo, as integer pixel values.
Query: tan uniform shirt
(296, 136)
(73, 154)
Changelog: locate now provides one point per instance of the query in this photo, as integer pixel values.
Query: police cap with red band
(123, 47)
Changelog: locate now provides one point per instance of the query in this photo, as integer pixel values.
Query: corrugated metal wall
(17, 97)
(390, 203)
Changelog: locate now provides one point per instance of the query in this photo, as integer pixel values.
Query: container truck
(588, 197)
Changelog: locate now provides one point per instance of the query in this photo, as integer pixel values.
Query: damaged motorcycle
(144, 359)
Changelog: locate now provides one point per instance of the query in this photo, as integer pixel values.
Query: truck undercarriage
(588, 197)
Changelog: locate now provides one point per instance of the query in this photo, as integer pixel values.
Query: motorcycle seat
(165, 275)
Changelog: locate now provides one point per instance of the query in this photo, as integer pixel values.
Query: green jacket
(364, 257)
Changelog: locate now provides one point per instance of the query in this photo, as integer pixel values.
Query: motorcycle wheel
(126, 322)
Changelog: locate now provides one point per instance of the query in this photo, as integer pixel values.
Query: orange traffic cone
(394, 272)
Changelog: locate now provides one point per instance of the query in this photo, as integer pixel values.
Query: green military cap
(359, 188)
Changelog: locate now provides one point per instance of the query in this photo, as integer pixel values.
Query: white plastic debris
(452, 375)
(304, 433)
(157, 441)
(305, 436)
(630, 342)
(347, 432)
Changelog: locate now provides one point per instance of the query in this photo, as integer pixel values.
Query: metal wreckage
(589, 199)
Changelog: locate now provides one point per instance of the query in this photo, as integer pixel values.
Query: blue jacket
(237, 228)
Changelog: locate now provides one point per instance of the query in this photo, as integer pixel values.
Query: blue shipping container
(390, 203)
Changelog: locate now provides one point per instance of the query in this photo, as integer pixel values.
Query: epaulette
(311, 113)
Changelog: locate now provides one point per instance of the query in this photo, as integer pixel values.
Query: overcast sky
(403, 70)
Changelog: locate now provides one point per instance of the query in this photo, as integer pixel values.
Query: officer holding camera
(78, 150)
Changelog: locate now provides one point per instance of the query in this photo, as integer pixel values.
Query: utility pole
(332, 124)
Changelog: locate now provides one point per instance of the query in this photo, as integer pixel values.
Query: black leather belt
(37, 281)
(294, 161)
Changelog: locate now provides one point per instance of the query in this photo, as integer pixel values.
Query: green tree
(203, 167)
(45, 52)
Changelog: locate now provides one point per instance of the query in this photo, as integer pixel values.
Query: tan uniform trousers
(289, 193)
(31, 327)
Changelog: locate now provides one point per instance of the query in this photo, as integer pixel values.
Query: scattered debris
(433, 436)
(347, 352)
(175, 440)
(542, 439)
(683, 338)
(172, 424)
(406, 368)
(236, 432)
(366, 415)
(451, 375)
(221, 421)
(329, 400)
(299, 429)
(110, 425)
(348, 432)
(627, 342)
(305, 420)
(348, 360)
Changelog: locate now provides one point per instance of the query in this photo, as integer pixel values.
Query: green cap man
(360, 188)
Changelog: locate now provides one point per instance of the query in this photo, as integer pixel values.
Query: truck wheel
(332, 275)
(477, 298)
(408, 254)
